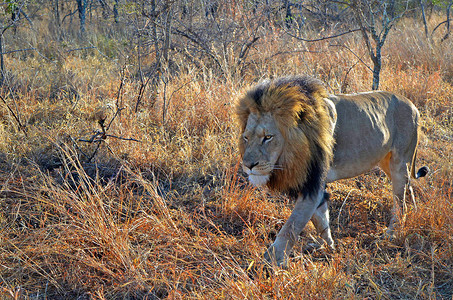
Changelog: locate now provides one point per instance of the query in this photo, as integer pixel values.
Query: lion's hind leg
(397, 168)
(400, 175)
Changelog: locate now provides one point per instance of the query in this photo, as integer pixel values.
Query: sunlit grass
(169, 214)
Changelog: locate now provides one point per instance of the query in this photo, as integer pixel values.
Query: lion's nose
(251, 165)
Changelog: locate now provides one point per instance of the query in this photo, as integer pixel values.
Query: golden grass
(172, 217)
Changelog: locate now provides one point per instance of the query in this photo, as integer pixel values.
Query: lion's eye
(245, 138)
(267, 138)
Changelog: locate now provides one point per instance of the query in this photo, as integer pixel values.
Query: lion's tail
(421, 172)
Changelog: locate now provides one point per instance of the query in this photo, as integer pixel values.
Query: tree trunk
(376, 75)
(422, 5)
(2, 64)
(115, 12)
(377, 65)
(57, 13)
(166, 46)
(82, 6)
(156, 38)
(105, 8)
(448, 22)
(288, 14)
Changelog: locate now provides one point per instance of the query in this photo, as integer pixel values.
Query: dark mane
(296, 103)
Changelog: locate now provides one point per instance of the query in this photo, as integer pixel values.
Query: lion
(295, 138)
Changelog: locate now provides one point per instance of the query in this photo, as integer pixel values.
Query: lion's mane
(302, 117)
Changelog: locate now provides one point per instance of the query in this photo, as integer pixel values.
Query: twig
(18, 50)
(94, 153)
(25, 15)
(118, 110)
(343, 84)
(69, 15)
(437, 27)
(16, 116)
(349, 49)
(97, 49)
(141, 91)
(100, 136)
(83, 48)
(245, 48)
(291, 52)
(99, 141)
(119, 94)
(179, 88)
(43, 56)
(323, 38)
(341, 208)
(92, 140)
(165, 104)
(77, 147)
(23, 50)
(121, 138)
(187, 33)
(15, 21)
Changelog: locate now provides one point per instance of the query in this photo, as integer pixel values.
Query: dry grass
(172, 217)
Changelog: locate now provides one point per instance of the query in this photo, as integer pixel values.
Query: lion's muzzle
(258, 172)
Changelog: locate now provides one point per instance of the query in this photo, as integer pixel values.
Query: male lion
(295, 139)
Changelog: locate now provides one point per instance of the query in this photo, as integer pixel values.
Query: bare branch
(141, 92)
(18, 50)
(25, 15)
(83, 48)
(103, 136)
(447, 22)
(77, 147)
(119, 94)
(69, 15)
(196, 40)
(349, 49)
(247, 46)
(324, 38)
(291, 52)
(122, 138)
(118, 110)
(92, 139)
(16, 116)
(437, 27)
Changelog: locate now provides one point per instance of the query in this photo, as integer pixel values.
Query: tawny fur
(302, 118)
(288, 128)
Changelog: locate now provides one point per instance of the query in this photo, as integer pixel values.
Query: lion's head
(285, 140)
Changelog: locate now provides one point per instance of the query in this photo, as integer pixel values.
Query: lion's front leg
(304, 209)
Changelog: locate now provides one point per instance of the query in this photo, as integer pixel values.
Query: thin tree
(449, 5)
(15, 10)
(425, 24)
(115, 11)
(375, 19)
(82, 8)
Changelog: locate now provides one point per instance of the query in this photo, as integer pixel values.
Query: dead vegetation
(166, 213)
